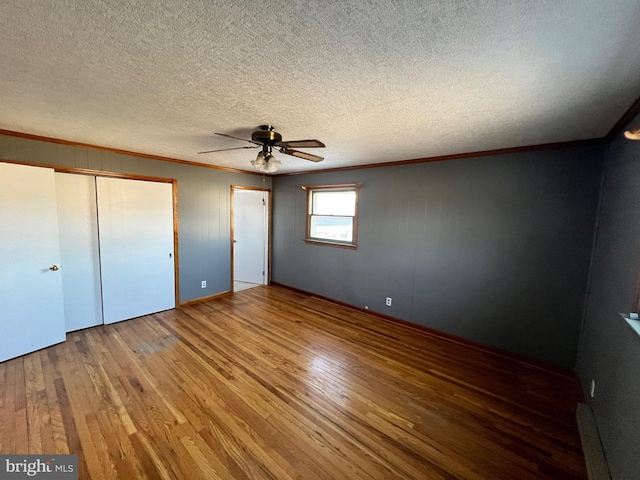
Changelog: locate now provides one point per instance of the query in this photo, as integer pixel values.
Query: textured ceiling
(376, 81)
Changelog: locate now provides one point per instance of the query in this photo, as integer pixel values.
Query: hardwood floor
(270, 383)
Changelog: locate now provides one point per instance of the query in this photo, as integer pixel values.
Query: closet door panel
(135, 220)
(78, 220)
(31, 309)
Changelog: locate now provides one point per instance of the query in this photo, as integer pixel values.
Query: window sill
(634, 324)
(312, 241)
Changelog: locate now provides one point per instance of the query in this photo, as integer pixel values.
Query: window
(332, 214)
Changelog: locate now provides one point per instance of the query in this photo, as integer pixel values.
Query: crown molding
(71, 143)
(457, 156)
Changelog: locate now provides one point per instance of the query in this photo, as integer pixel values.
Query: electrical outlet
(593, 388)
(388, 302)
(204, 284)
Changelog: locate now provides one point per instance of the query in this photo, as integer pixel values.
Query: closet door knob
(54, 268)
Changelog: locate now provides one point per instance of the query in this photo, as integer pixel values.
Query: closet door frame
(100, 173)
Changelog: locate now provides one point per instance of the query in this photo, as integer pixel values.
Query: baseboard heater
(597, 467)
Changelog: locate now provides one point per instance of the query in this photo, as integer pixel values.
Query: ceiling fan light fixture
(266, 163)
(260, 162)
(272, 164)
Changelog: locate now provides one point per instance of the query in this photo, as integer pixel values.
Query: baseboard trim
(594, 457)
(204, 299)
(516, 357)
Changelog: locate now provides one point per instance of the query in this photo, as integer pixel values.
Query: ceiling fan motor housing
(266, 135)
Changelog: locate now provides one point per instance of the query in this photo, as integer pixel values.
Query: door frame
(146, 178)
(232, 232)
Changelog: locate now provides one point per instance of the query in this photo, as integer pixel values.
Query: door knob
(54, 268)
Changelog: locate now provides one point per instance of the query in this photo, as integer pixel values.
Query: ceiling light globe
(272, 165)
(260, 162)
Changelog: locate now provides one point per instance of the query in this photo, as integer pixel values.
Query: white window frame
(347, 187)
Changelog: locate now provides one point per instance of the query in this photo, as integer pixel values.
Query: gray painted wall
(204, 196)
(492, 249)
(609, 350)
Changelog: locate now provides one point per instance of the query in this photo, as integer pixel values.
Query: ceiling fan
(268, 139)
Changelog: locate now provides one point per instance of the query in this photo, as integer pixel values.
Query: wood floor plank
(269, 383)
(20, 409)
(51, 373)
(34, 419)
(42, 406)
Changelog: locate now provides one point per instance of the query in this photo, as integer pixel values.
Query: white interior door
(250, 231)
(135, 219)
(78, 221)
(31, 309)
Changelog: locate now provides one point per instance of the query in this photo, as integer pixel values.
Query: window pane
(334, 203)
(332, 228)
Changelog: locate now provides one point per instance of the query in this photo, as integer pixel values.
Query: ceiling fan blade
(225, 149)
(305, 155)
(239, 138)
(312, 143)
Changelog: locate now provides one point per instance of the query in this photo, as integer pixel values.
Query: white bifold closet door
(135, 220)
(79, 244)
(31, 309)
